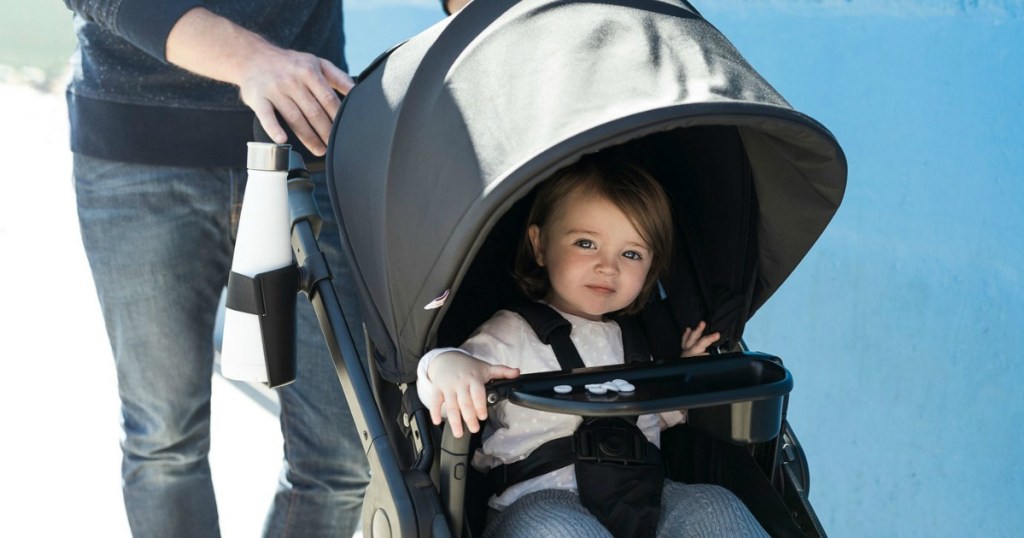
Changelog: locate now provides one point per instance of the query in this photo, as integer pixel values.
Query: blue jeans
(159, 241)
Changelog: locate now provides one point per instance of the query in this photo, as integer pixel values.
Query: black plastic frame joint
(313, 270)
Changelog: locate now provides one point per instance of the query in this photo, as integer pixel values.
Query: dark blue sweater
(126, 103)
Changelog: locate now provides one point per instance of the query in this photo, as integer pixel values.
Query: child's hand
(694, 343)
(459, 380)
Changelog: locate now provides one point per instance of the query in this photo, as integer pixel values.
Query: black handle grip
(259, 134)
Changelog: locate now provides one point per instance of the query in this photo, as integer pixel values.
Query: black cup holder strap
(250, 294)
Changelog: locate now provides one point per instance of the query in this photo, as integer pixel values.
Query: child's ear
(535, 243)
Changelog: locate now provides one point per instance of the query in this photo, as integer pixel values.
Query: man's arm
(300, 86)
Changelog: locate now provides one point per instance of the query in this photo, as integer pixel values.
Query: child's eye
(633, 255)
(584, 243)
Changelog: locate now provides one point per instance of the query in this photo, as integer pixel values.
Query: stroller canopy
(444, 133)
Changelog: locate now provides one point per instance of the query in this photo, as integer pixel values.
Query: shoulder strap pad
(553, 330)
(634, 341)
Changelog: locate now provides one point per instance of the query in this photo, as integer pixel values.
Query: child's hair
(630, 188)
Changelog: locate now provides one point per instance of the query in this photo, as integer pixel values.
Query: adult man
(158, 130)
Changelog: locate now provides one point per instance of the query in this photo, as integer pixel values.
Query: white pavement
(59, 451)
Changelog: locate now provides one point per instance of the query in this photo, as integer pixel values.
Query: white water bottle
(259, 322)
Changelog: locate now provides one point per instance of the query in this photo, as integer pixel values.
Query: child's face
(595, 259)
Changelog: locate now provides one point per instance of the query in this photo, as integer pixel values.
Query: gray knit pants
(698, 510)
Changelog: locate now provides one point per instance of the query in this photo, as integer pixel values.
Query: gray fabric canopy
(446, 132)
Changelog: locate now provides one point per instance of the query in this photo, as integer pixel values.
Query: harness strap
(618, 471)
(634, 343)
(553, 330)
(550, 456)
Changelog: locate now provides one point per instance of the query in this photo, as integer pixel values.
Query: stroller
(431, 166)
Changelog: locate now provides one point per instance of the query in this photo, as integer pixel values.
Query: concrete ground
(60, 453)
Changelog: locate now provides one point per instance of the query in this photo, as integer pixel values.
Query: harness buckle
(610, 439)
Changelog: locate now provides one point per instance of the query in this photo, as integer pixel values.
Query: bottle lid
(268, 157)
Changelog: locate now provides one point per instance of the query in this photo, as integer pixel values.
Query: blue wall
(903, 326)
(373, 26)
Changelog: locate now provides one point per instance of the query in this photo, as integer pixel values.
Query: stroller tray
(737, 397)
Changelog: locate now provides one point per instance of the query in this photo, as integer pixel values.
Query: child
(599, 235)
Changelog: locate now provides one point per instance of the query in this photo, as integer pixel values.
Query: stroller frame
(397, 492)
(792, 176)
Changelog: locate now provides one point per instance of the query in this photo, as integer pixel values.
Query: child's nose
(608, 265)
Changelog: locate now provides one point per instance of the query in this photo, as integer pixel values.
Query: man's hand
(696, 344)
(454, 6)
(300, 86)
(459, 380)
